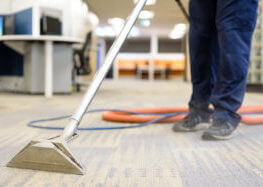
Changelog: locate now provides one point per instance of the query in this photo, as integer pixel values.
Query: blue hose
(165, 116)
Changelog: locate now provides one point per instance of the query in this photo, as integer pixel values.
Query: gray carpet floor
(149, 156)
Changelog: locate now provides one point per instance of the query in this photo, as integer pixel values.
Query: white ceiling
(167, 14)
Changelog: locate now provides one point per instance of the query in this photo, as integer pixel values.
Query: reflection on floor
(150, 156)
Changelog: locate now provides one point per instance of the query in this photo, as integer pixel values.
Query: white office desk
(41, 38)
(48, 40)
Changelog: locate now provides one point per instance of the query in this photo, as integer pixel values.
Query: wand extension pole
(180, 4)
(73, 124)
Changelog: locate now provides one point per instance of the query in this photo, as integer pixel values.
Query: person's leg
(236, 20)
(204, 54)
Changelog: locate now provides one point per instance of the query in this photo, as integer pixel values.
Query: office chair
(81, 61)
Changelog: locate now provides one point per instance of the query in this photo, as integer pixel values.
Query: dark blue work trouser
(220, 42)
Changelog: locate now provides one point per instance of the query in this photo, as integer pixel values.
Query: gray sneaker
(192, 122)
(219, 130)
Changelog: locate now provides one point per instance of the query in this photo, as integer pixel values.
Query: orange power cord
(131, 118)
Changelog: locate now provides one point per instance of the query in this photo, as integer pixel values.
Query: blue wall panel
(23, 22)
(11, 62)
(1, 25)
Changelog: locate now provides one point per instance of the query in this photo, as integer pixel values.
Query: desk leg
(151, 71)
(48, 69)
(138, 74)
(115, 70)
(163, 74)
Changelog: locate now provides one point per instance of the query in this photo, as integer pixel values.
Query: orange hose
(125, 117)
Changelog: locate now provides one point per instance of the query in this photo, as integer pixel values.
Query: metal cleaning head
(47, 155)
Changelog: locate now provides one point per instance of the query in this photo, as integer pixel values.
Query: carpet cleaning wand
(53, 154)
(181, 6)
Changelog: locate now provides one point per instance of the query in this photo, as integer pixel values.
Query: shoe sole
(213, 137)
(199, 127)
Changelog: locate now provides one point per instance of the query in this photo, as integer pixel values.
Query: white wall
(16, 5)
(83, 19)
(4, 7)
(73, 13)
